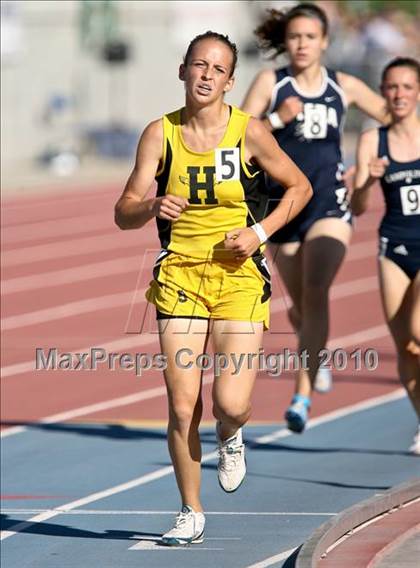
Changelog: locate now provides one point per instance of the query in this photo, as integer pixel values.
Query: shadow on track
(49, 529)
(109, 431)
(305, 480)
(305, 449)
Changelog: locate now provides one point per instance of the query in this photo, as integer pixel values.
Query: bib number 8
(410, 199)
(316, 124)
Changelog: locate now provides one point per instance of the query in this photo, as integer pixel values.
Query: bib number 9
(410, 199)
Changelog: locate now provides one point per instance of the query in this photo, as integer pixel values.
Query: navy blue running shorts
(331, 204)
(405, 254)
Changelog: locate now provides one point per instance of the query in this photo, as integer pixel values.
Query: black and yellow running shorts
(196, 288)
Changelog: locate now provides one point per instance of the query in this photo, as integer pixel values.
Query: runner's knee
(182, 414)
(234, 412)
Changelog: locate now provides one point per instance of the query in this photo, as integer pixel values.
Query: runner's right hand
(289, 108)
(377, 167)
(169, 207)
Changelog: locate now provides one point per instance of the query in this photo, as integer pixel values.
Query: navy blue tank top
(312, 139)
(401, 189)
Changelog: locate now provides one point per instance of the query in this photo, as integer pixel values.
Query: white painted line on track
(359, 337)
(273, 559)
(142, 480)
(66, 249)
(168, 470)
(337, 292)
(90, 271)
(153, 545)
(106, 405)
(131, 340)
(361, 250)
(56, 228)
(72, 309)
(346, 289)
(69, 193)
(97, 407)
(341, 342)
(109, 301)
(132, 512)
(340, 413)
(68, 276)
(112, 241)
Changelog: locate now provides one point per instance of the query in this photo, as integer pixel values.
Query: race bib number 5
(227, 162)
(410, 199)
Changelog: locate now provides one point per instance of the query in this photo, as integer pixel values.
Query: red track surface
(369, 545)
(59, 293)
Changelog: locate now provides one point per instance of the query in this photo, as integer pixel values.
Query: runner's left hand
(242, 242)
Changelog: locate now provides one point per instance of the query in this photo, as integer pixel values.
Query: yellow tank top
(224, 193)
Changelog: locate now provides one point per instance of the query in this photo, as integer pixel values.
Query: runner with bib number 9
(211, 281)
(392, 156)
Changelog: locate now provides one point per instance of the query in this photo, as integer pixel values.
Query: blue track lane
(296, 481)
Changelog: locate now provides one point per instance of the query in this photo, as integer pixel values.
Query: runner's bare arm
(257, 100)
(132, 210)
(369, 168)
(358, 93)
(261, 147)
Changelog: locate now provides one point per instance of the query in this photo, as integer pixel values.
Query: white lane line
(353, 287)
(96, 407)
(358, 286)
(131, 340)
(340, 413)
(51, 198)
(361, 250)
(91, 271)
(101, 406)
(66, 249)
(273, 559)
(69, 310)
(81, 273)
(168, 470)
(337, 292)
(109, 301)
(358, 407)
(153, 513)
(116, 240)
(153, 545)
(341, 342)
(362, 336)
(142, 480)
(56, 228)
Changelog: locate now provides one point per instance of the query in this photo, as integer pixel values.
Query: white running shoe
(188, 528)
(323, 380)
(415, 446)
(232, 466)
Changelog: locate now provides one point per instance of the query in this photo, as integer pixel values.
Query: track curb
(314, 549)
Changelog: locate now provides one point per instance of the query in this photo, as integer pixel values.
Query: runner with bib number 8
(304, 104)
